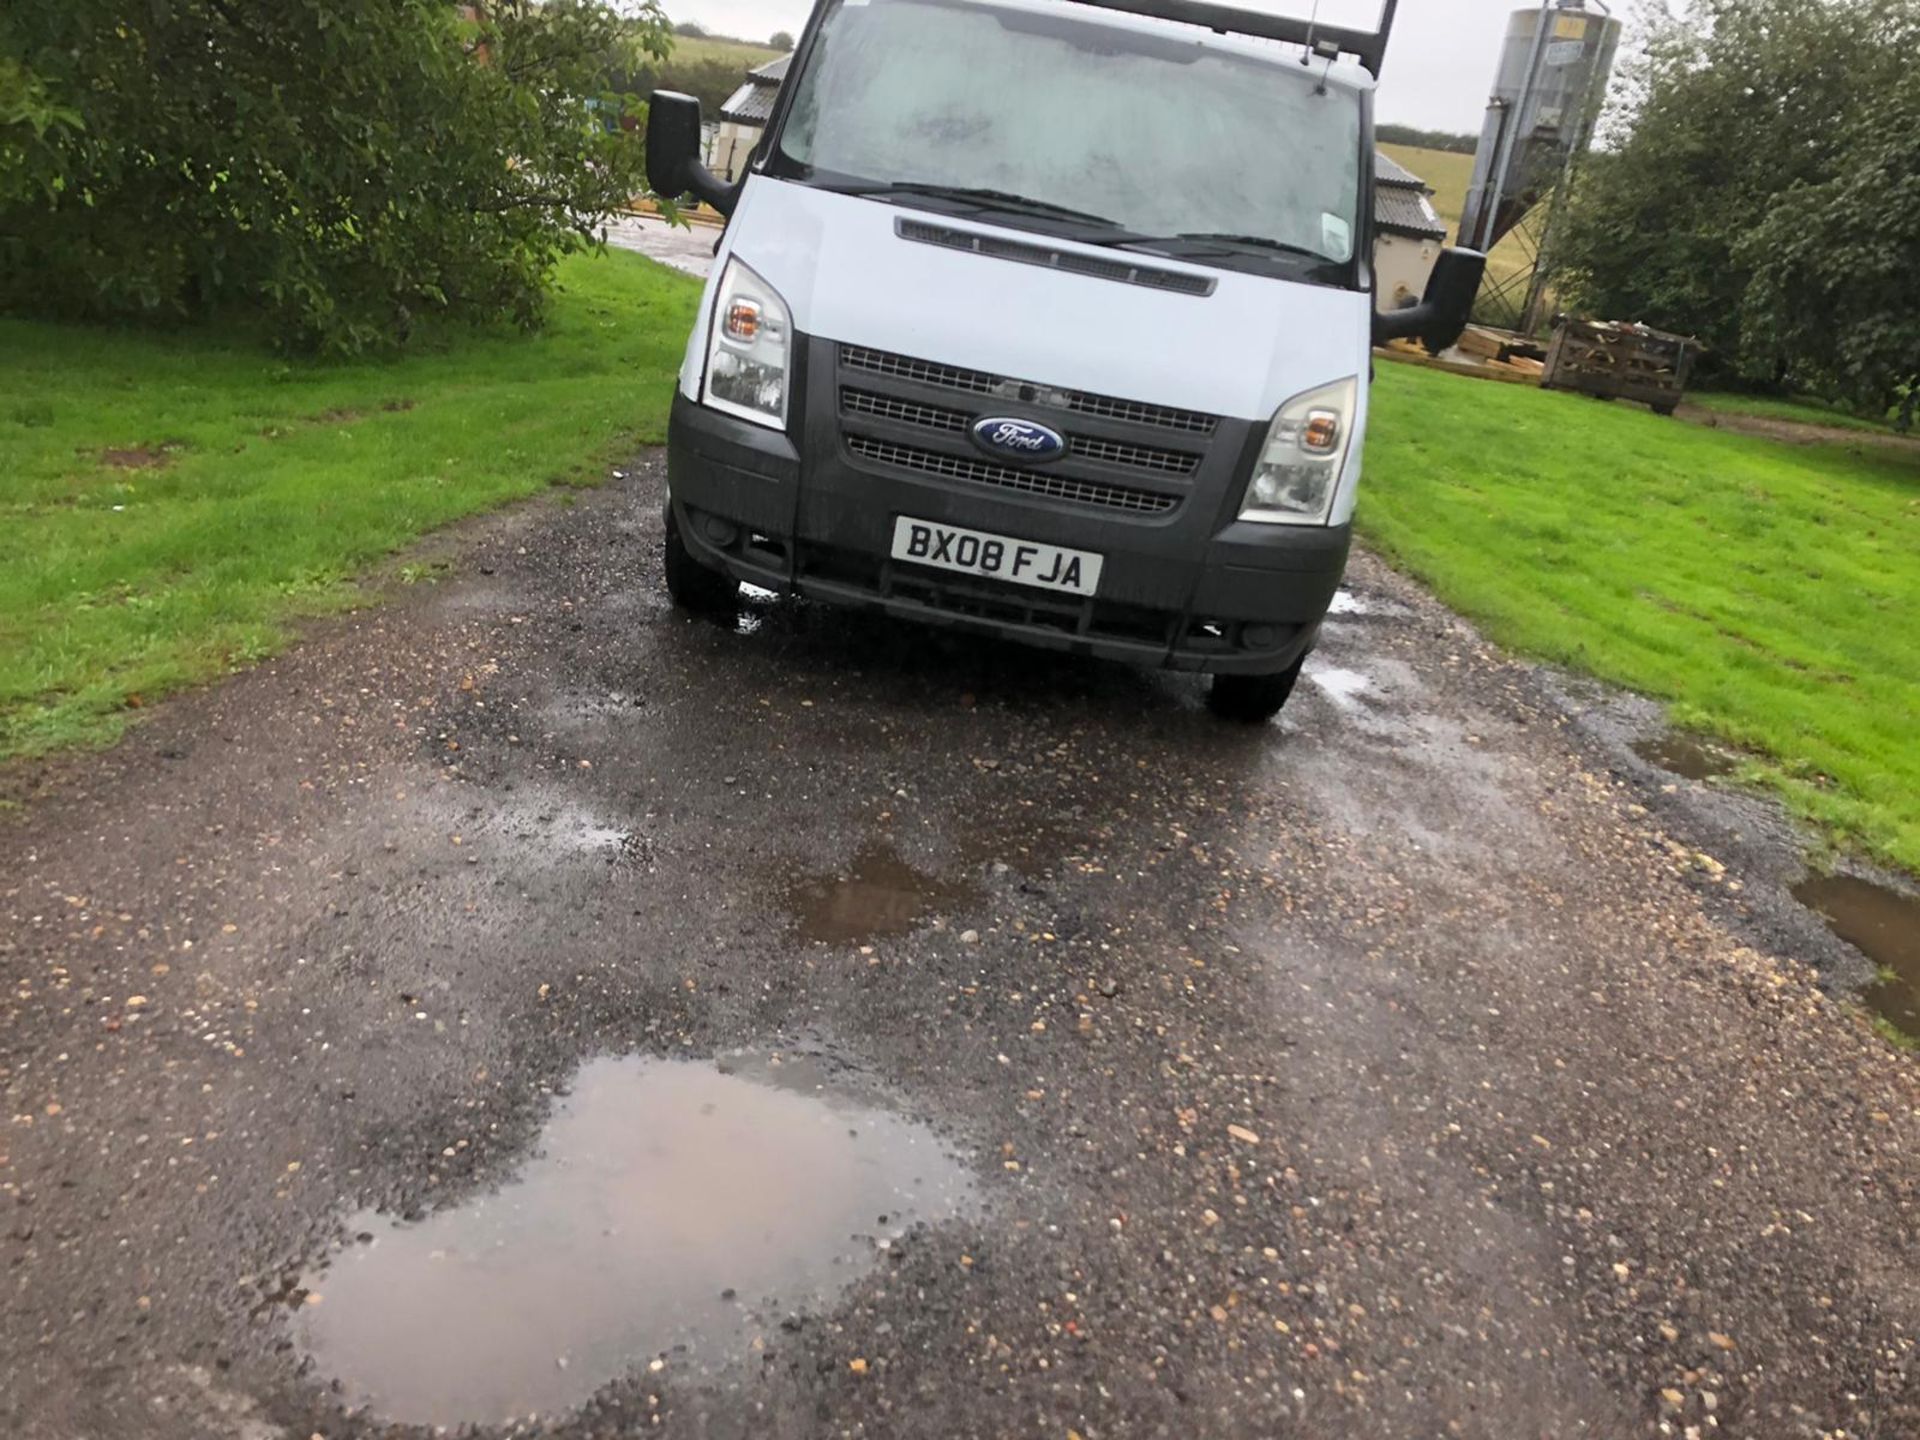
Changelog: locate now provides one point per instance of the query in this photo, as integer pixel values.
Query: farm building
(743, 117)
(1407, 234)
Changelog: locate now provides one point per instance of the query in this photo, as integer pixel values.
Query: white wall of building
(731, 147)
(1402, 265)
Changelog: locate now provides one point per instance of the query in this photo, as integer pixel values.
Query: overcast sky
(1439, 68)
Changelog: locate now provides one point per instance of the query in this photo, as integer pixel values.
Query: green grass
(1767, 591)
(250, 491)
(1801, 411)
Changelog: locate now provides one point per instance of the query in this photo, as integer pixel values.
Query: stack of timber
(1482, 353)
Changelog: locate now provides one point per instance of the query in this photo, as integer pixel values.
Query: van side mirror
(673, 153)
(1441, 318)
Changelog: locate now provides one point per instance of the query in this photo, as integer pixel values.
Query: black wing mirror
(673, 153)
(1441, 318)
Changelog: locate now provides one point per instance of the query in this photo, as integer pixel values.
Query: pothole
(675, 1212)
(1686, 756)
(1884, 925)
(880, 896)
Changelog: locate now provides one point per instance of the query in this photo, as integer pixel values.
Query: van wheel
(1253, 699)
(692, 585)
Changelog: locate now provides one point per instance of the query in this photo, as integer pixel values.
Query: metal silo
(1547, 95)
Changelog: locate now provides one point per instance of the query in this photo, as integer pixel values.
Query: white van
(1049, 319)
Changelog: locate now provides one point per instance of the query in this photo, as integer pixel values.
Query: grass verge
(1767, 591)
(172, 502)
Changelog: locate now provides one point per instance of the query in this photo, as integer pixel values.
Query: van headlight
(748, 349)
(1306, 451)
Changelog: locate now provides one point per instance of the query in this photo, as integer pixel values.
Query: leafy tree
(710, 79)
(27, 114)
(342, 167)
(781, 41)
(1834, 266)
(1745, 119)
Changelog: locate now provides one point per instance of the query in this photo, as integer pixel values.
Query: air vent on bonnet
(1026, 253)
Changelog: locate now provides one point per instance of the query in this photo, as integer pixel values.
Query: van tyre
(692, 585)
(1253, 699)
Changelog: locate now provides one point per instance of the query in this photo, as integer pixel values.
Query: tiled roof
(751, 104)
(1401, 211)
(1387, 171)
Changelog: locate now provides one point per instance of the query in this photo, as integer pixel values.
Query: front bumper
(1189, 589)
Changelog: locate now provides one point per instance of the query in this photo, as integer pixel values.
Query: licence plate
(997, 557)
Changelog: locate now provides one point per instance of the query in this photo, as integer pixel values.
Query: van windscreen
(1148, 132)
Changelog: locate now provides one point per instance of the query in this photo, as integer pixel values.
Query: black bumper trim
(1250, 601)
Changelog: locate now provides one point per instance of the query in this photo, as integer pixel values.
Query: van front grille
(921, 372)
(1135, 413)
(906, 412)
(1049, 484)
(980, 382)
(865, 403)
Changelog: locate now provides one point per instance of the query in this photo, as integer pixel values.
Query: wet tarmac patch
(1343, 687)
(1884, 925)
(880, 896)
(1686, 756)
(675, 1212)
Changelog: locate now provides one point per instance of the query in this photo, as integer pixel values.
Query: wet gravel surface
(1422, 1065)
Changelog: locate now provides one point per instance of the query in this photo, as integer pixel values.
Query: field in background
(745, 55)
(1765, 590)
(1450, 174)
(172, 502)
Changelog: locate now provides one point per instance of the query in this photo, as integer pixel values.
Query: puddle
(881, 896)
(676, 1211)
(1345, 602)
(1685, 756)
(1884, 925)
(1343, 687)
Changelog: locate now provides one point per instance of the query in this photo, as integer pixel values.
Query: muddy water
(880, 896)
(1686, 757)
(674, 1211)
(1884, 925)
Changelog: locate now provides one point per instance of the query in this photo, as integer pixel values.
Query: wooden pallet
(1510, 372)
(1621, 362)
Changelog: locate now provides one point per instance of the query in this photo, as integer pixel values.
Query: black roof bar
(1326, 41)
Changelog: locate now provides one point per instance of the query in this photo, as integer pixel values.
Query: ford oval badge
(1018, 439)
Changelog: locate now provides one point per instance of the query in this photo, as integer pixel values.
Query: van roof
(1183, 17)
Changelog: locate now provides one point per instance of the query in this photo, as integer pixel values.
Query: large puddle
(674, 1212)
(880, 896)
(1884, 925)
(1685, 756)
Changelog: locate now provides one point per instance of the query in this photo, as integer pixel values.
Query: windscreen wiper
(1258, 242)
(973, 195)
